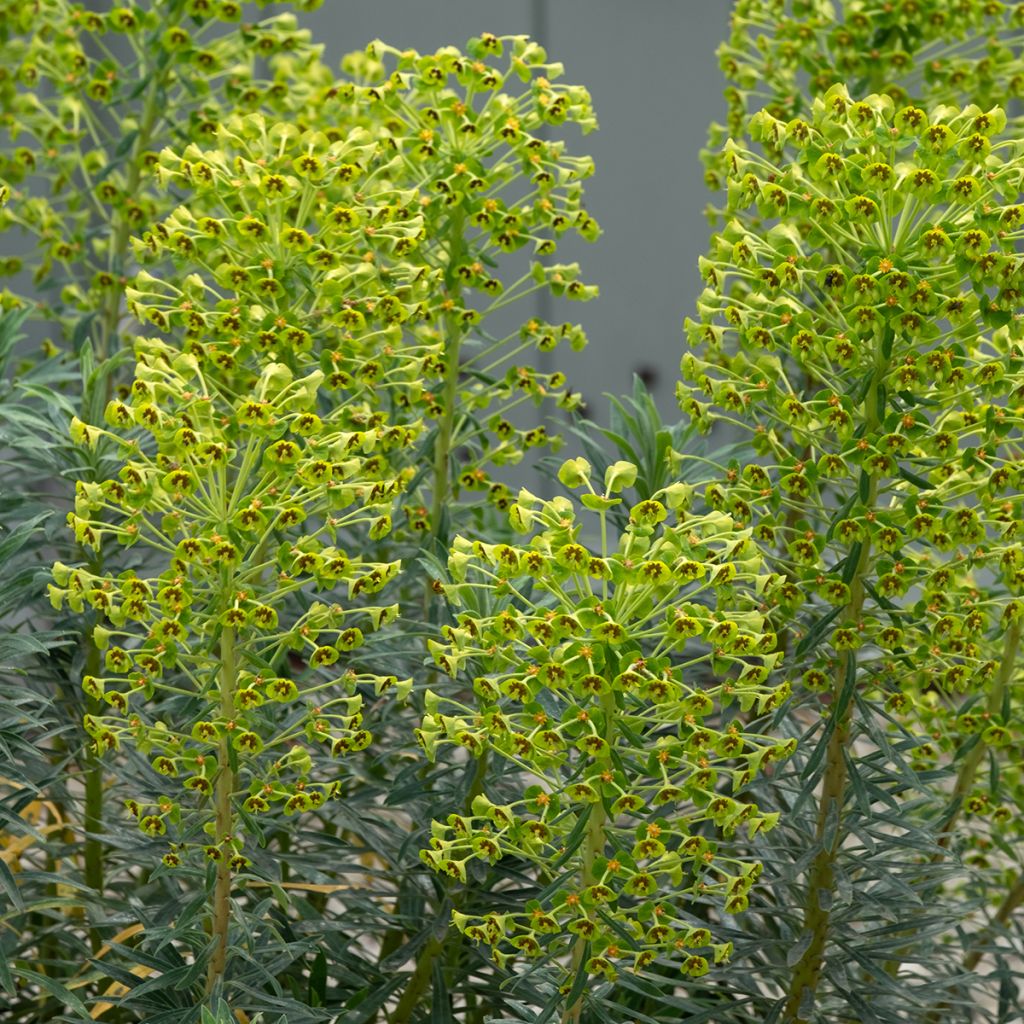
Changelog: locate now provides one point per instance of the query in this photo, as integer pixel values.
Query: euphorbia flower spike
(256, 465)
(618, 680)
(477, 134)
(864, 324)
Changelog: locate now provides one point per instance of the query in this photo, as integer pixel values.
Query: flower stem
(418, 982)
(453, 336)
(94, 792)
(221, 909)
(807, 970)
(454, 333)
(593, 847)
(153, 109)
(109, 319)
(445, 947)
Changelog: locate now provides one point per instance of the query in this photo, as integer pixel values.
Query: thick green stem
(593, 847)
(807, 971)
(448, 946)
(94, 792)
(821, 879)
(49, 944)
(454, 333)
(443, 443)
(110, 316)
(93, 822)
(153, 109)
(221, 910)
(418, 983)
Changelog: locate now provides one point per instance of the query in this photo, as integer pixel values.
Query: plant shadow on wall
(304, 730)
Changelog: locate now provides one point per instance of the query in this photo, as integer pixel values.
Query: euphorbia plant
(613, 675)
(233, 269)
(923, 52)
(473, 133)
(864, 326)
(261, 473)
(780, 54)
(87, 98)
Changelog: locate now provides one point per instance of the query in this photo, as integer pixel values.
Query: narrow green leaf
(63, 995)
(9, 886)
(318, 980)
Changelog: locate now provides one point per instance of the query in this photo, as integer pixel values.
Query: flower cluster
(916, 51)
(865, 325)
(86, 121)
(299, 246)
(257, 460)
(471, 133)
(623, 680)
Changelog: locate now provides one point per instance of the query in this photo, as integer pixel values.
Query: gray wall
(650, 66)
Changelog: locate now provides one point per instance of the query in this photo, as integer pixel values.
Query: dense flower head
(256, 460)
(865, 324)
(477, 135)
(87, 125)
(618, 677)
(921, 52)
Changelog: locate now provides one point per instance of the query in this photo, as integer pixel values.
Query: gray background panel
(651, 69)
